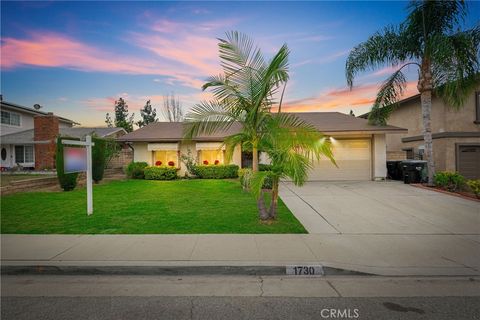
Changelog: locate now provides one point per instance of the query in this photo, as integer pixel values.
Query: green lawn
(143, 207)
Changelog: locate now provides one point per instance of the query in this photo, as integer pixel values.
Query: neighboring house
(28, 136)
(455, 133)
(358, 147)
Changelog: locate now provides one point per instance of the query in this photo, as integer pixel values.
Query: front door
(247, 159)
(5, 156)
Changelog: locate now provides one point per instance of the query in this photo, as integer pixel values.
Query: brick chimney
(45, 130)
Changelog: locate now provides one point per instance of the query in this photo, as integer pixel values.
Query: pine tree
(148, 115)
(122, 119)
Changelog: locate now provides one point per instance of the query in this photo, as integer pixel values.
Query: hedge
(160, 173)
(68, 181)
(98, 158)
(135, 170)
(217, 171)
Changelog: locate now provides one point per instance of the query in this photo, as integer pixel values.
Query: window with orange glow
(210, 156)
(163, 157)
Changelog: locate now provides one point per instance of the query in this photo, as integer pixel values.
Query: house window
(24, 154)
(211, 157)
(10, 118)
(163, 157)
(477, 107)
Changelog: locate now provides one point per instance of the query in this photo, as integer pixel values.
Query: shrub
(68, 181)
(474, 185)
(98, 159)
(245, 174)
(264, 167)
(190, 162)
(451, 181)
(135, 170)
(160, 173)
(217, 171)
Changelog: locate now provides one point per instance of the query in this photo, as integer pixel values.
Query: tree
(172, 109)
(291, 145)
(122, 119)
(98, 158)
(430, 39)
(243, 94)
(68, 181)
(112, 150)
(148, 115)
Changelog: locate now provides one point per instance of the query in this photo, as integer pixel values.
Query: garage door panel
(469, 161)
(353, 158)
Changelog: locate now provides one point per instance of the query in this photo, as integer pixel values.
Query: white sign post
(88, 144)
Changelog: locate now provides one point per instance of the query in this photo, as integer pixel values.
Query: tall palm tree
(243, 94)
(292, 145)
(430, 39)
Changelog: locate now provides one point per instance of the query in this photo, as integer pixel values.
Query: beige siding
(141, 153)
(379, 157)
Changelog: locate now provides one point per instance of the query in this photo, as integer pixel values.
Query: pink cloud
(56, 50)
(342, 98)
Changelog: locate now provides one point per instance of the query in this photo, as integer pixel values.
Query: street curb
(165, 271)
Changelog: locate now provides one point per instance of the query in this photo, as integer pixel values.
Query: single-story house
(359, 148)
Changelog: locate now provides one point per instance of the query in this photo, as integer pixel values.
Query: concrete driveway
(368, 207)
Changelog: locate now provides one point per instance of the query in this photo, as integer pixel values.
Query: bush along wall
(98, 159)
(68, 181)
(135, 170)
(160, 173)
(229, 171)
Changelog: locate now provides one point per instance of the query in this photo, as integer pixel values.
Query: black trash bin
(394, 170)
(414, 171)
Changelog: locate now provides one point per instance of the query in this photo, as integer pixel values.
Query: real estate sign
(75, 159)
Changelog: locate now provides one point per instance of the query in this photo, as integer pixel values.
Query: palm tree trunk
(255, 159)
(262, 208)
(426, 100)
(273, 205)
(425, 87)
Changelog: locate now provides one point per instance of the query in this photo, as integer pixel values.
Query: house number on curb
(300, 270)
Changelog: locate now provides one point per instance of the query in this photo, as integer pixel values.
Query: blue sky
(76, 58)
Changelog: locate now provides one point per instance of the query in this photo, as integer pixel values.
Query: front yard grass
(143, 207)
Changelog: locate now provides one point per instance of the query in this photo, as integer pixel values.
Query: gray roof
(26, 136)
(326, 122)
(79, 132)
(14, 106)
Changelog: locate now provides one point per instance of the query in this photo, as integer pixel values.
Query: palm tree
(291, 145)
(244, 94)
(430, 39)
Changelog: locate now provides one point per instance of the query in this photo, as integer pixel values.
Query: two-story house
(28, 136)
(455, 134)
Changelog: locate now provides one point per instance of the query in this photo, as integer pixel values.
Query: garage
(354, 160)
(468, 161)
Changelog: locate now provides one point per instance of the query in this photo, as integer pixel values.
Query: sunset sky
(76, 58)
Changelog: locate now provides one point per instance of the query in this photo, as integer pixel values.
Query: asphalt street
(232, 308)
(238, 297)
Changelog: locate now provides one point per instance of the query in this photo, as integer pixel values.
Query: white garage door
(353, 158)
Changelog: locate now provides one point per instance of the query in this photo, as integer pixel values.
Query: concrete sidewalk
(389, 255)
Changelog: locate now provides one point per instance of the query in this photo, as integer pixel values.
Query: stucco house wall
(450, 127)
